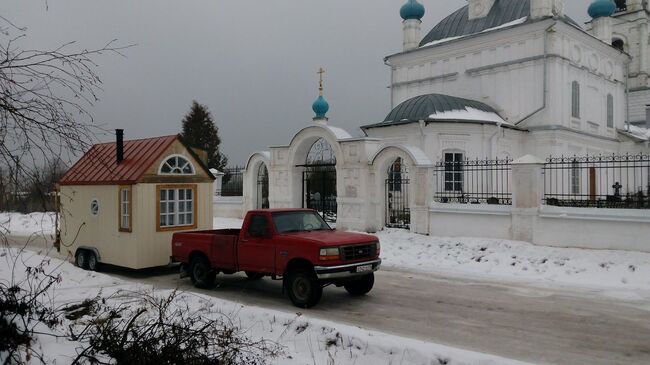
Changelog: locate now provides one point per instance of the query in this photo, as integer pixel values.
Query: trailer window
(176, 207)
(125, 209)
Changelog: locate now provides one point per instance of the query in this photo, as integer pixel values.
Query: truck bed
(220, 245)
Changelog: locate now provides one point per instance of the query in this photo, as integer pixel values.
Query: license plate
(364, 268)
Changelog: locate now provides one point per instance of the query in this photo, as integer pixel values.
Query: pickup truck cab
(296, 245)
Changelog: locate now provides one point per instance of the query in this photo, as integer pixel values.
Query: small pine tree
(199, 131)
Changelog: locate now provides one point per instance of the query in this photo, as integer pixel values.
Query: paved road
(544, 326)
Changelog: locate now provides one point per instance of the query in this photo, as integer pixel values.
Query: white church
(495, 80)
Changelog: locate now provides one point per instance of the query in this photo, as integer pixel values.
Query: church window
(454, 175)
(619, 44)
(610, 111)
(575, 177)
(575, 99)
(621, 5)
(176, 165)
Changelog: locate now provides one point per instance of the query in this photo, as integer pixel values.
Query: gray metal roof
(423, 106)
(458, 24)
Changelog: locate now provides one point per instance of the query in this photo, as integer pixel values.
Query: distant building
(121, 202)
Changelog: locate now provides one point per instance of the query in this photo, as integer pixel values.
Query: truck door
(256, 251)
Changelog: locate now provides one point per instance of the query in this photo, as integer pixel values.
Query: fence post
(527, 194)
(218, 182)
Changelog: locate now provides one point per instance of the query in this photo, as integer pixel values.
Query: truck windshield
(287, 222)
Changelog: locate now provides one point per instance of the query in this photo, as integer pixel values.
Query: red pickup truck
(293, 244)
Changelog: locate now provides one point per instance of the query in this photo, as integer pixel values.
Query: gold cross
(321, 72)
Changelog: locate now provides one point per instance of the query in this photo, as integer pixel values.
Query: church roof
(503, 12)
(440, 108)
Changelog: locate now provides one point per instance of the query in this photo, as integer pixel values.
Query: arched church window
(619, 44)
(575, 99)
(610, 111)
(621, 5)
(176, 165)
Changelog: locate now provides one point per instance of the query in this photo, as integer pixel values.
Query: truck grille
(357, 252)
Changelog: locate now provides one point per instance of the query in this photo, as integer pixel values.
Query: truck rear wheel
(201, 273)
(304, 289)
(361, 286)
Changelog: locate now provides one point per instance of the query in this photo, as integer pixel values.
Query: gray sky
(253, 63)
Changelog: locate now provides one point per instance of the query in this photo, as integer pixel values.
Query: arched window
(176, 165)
(621, 5)
(619, 44)
(575, 99)
(610, 111)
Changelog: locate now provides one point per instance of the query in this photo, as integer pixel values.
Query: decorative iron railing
(233, 182)
(474, 181)
(603, 181)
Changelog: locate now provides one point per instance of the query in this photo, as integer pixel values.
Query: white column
(527, 194)
(643, 48)
(602, 29)
(412, 28)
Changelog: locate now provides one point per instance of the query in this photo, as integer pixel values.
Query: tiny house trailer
(121, 202)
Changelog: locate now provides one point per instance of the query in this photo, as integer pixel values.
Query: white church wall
(638, 101)
(462, 220)
(494, 68)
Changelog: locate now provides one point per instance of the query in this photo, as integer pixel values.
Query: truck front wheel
(201, 273)
(360, 286)
(304, 289)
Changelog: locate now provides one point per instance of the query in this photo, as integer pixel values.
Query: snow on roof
(340, 133)
(639, 132)
(505, 25)
(468, 113)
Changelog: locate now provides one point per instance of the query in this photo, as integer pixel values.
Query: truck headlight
(328, 254)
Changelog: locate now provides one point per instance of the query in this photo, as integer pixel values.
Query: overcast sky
(252, 62)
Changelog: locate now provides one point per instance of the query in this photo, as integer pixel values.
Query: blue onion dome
(412, 10)
(602, 8)
(320, 107)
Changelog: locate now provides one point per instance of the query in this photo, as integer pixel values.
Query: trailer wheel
(304, 289)
(81, 259)
(91, 261)
(201, 273)
(360, 286)
(254, 275)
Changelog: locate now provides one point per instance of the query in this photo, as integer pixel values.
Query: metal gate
(262, 187)
(398, 213)
(319, 190)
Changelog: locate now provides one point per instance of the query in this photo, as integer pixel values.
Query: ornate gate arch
(398, 213)
(319, 180)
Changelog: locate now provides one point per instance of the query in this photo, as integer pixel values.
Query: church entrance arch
(262, 187)
(319, 180)
(398, 213)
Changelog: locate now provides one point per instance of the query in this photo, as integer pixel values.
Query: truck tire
(254, 275)
(81, 259)
(361, 286)
(201, 273)
(91, 261)
(304, 289)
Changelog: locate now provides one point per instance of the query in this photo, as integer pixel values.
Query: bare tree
(44, 101)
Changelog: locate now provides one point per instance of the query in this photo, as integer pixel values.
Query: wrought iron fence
(603, 181)
(233, 182)
(473, 181)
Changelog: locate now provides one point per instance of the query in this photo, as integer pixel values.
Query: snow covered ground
(303, 340)
(17, 224)
(616, 273)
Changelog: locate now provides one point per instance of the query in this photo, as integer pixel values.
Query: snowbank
(304, 340)
(519, 261)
